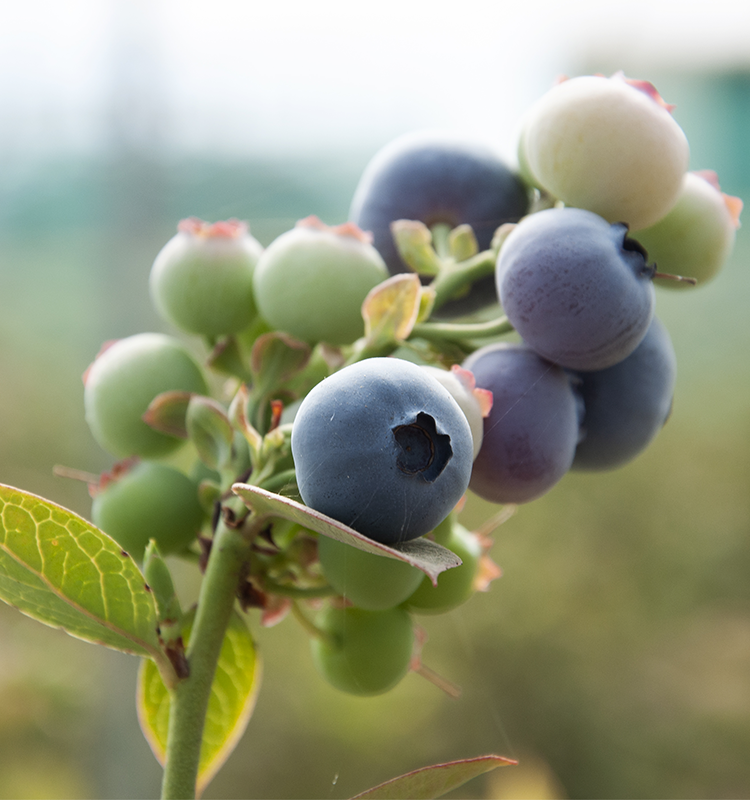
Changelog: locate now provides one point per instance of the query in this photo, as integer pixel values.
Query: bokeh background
(612, 659)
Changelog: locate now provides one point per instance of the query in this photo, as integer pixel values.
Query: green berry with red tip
(202, 280)
(455, 586)
(149, 501)
(363, 652)
(311, 281)
(697, 236)
(123, 381)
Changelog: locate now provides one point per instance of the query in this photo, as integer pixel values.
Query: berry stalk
(456, 331)
(455, 277)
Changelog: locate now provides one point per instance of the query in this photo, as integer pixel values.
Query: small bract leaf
(227, 357)
(209, 493)
(210, 430)
(391, 309)
(413, 241)
(61, 570)
(462, 243)
(276, 358)
(424, 554)
(230, 706)
(160, 581)
(426, 303)
(166, 413)
(435, 781)
(238, 417)
(500, 235)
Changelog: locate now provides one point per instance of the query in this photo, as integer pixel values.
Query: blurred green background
(612, 659)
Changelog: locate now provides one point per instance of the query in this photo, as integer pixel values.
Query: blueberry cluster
(360, 369)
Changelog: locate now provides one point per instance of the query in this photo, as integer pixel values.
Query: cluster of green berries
(378, 401)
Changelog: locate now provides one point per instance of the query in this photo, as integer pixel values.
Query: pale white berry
(608, 145)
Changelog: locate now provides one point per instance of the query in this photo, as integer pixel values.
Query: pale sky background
(235, 78)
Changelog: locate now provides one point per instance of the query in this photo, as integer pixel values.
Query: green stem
(278, 481)
(455, 332)
(455, 277)
(296, 592)
(363, 349)
(189, 699)
(440, 239)
(310, 627)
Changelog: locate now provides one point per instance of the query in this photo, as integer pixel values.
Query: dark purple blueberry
(626, 405)
(531, 432)
(438, 178)
(576, 288)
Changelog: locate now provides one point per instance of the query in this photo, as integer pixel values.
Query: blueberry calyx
(634, 246)
(641, 266)
(422, 450)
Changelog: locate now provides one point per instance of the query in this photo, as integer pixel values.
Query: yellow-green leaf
(426, 303)
(390, 310)
(434, 781)
(462, 243)
(230, 706)
(61, 570)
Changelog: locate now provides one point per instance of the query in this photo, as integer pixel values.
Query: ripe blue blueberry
(627, 404)
(576, 288)
(437, 178)
(382, 447)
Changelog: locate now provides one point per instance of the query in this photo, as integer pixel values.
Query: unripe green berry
(149, 501)
(364, 652)
(366, 580)
(311, 281)
(455, 586)
(697, 236)
(121, 383)
(202, 280)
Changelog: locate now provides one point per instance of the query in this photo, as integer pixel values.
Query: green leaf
(227, 357)
(166, 413)
(210, 430)
(61, 570)
(500, 235)
(462, 243)
(424, 554)
(413, 241)
(209, 493)
(426, 303)
(277, 357)
(238, 417)
(435, 781)
(230, 706)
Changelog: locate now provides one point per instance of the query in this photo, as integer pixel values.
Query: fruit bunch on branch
(470, 328)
